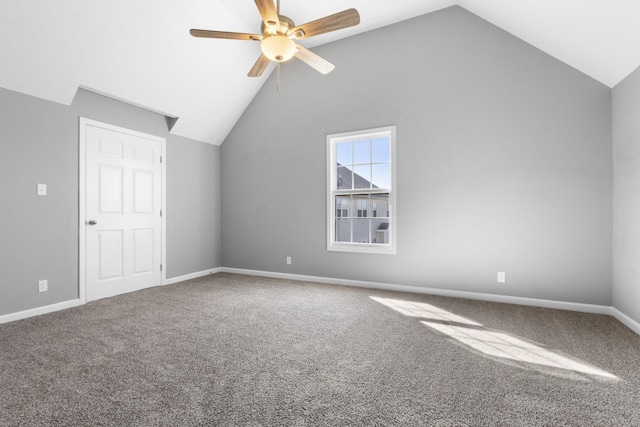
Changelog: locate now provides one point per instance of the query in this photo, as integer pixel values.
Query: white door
(123, 202)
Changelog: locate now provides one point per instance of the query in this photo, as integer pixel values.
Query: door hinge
(160, 267)
(160, 212)
(160, 159)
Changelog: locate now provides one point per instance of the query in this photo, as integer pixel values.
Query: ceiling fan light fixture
(278, 48)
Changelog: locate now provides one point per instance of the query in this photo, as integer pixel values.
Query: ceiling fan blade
(268, 13)
(211, 34)
(337, 21)
(313, 60)
(259, 67)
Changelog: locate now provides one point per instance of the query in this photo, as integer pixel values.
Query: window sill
(362, 248)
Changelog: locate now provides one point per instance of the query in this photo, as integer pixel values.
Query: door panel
(143, 192)
(143, 251)
(123, 198)
(110, 189)
(144, 154)
(111, 148)
(110, 254)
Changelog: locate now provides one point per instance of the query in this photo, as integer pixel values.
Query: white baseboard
(39, 310)
(626, 320)
(195, 275)
(560, 305)
(77, 302)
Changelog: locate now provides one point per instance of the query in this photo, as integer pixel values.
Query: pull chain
(278, 64)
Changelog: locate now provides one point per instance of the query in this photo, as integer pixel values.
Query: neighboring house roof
(345, 179)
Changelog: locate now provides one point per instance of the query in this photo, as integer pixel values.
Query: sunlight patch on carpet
(423, 310)
(491, 343)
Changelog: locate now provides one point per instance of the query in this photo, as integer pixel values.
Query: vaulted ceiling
(141, 51)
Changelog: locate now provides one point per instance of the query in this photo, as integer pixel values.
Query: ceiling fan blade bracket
(269, 13)
(337, 21)
(296, 34)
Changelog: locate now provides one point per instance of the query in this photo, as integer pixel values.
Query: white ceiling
(141, 51)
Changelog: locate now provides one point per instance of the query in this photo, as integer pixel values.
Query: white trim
(39, 310)
(331, 141)
(163, 207)
(11, 317)
(190, 276)
(82, 174)
(626, 320)
(82, 218)
(560, 305)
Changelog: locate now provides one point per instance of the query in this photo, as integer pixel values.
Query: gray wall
(503, 163)
(39, 234)
(626, 196)
(193, 207)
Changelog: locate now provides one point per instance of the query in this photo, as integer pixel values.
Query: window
(361, 191)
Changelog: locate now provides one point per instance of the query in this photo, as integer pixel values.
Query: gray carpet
(234, 350)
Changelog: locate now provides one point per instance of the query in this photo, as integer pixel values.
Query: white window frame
(332, 192)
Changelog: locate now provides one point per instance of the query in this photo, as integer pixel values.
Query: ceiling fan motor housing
(286, 24)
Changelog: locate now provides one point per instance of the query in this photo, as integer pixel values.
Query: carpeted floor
(233, 350)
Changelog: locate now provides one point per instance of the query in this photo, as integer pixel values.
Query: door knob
(92, 222)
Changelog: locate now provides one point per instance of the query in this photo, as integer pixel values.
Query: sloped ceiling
(141, 52)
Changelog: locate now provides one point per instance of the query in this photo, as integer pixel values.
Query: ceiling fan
(278, 35)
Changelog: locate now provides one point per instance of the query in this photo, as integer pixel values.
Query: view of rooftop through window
(361, 211)
(363, 164)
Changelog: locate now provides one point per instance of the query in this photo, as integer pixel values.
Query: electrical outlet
(43, 285)
(41, 189)
(501, 277)
(288, 260)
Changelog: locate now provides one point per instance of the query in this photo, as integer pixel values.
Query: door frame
(82, 205)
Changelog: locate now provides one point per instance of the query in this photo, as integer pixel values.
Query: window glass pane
(380, 231)
(380, 150)
(360, 231)
(343, 230)
(381, 202)
(381, 175)
(344, 178)
(360, 205)
(362, 176)
(361, 152)
(343, 153)
(342, 206)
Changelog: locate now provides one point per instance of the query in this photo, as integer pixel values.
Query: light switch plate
(43, 285)
(42, 189)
